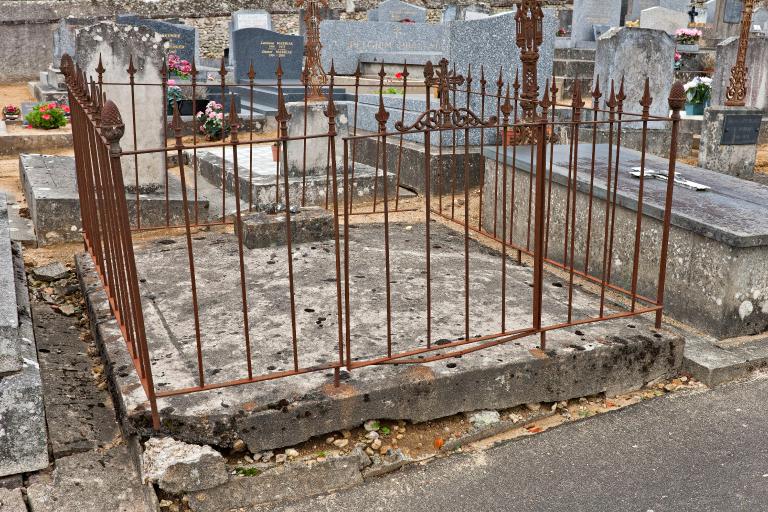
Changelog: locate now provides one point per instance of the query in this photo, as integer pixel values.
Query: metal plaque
(741, 130)
(732, 11)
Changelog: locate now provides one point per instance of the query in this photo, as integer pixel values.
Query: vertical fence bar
(499, 90)
(645, 102)
(676, 103)
(400, 149)
(483, 85)
(132, 84)
(577, 105)
(190, 253)
(506, 109)
(596, 95)
(611, 104)
(382, 116)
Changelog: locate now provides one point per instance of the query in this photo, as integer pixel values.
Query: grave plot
(359, 304)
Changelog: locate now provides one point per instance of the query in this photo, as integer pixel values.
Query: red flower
(46, 117)
(43, 108)
(66, 108)
(399, 76)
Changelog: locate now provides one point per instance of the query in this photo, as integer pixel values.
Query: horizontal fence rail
(530, 221)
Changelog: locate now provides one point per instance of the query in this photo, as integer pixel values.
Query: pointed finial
(164, 70)
(222, 68)
(500, 81)
(405, 72)
(611, 103)
(251, 72)
(100, 68)
(516, 84)
(620, 97)
(234, 121)
(176, 123)
(646, 100)
(596, 94)
(429, 70)
(576, 102)
(545, 101)
(131, 68)
(506, 108)
(382, 73)
(357, 73)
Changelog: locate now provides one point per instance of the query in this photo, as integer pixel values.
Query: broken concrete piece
(291, 481)
(180, 467)
(51, 272)
(482, 419)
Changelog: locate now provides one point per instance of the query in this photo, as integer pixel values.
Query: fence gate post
(538, 238)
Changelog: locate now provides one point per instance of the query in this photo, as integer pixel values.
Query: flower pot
(695, 109)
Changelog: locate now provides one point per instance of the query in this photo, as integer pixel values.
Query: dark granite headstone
(264, 48)
(741, 130)
(182, 39)
(732, 11)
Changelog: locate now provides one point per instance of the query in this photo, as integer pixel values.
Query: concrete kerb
(614, 358)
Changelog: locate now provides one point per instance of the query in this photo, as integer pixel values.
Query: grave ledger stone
(182, 39)
(264, 48)
(115, 44)
(587, 14)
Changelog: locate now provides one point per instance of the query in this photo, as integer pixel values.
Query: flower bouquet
(48, 116)
(688, 39)
(179, 67)
(697, 94)
(11, 112)
(212, 123)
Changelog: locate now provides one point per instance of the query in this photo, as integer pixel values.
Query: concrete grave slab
(260, 191)
(10, 358)
(607, 357)
(717, 271)
(309, 224)
(50, 187)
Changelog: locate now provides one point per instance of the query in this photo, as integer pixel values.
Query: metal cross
(444, 81)
(314, 76)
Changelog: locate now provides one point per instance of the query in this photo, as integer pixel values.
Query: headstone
(182, 39)
(326, 13)
(449, 13)
(399, 11)
(711, 9)
(757, 78)
(760, 20)
(64, 37)
(637, 53)
(264, 48)
(474, 12)
(344, 41)
(589, 13)
(250, 18)
(661, 18)
(732, 12)
(116, 44)
(729, 140)
(636, 7)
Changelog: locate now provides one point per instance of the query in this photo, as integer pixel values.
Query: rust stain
(418, 373)
(538, 353)
(248, 406)
(340, 391)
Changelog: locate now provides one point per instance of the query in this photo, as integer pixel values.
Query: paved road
(704, 451)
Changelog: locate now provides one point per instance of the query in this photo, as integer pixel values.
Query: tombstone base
(50, 188)
(721, 153)
(310, 224)
(311, 156)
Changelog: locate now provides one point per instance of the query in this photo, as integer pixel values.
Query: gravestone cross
(443, 79)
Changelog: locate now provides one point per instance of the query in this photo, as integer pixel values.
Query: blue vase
(694, 109)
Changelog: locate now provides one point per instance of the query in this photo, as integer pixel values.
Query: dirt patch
(15, 94)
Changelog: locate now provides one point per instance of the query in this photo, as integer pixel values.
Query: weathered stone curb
(13, 144)
(714, 366)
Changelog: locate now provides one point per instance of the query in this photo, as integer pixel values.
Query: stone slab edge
(621, 362)
(24, 442)
(10, 359)
(714, 366)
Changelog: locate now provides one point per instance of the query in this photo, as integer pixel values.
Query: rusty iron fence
(515, 211)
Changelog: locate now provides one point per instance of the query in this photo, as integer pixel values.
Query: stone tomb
(264, 48)
(398, 11)
(636, 7)
(717, 271)
(182, 39)
(50, 188)
(661, 18)
(590, 13)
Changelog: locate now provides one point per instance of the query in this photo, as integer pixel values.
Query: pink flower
(220, 116)
(46, 116)
(52, 105)
(171, 82)
(212, 115)
(66, 109)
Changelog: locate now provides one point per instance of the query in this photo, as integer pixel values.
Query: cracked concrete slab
(611, 356)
